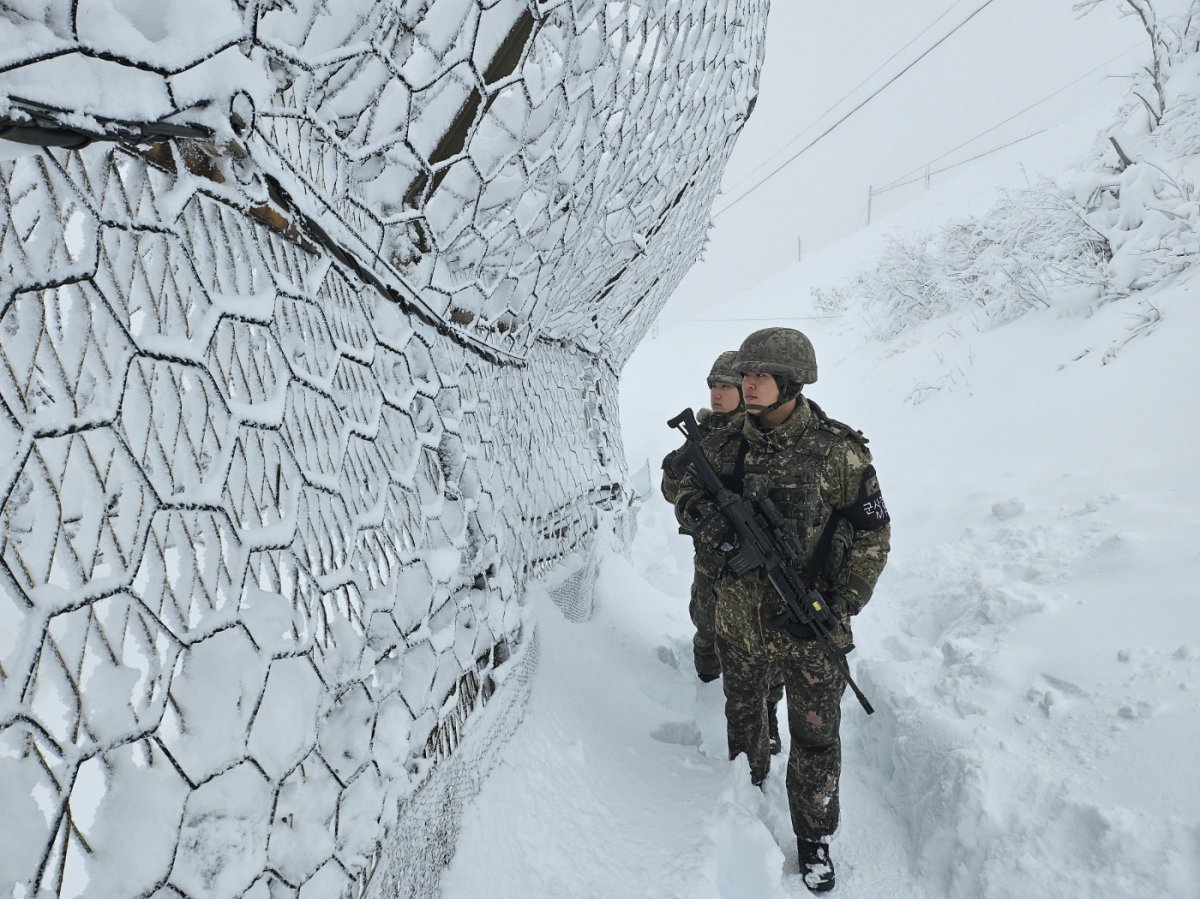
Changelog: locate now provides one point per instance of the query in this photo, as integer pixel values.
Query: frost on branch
(311, 320)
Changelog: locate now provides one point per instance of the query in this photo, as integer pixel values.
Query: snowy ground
(1033, 649)
(618, 782)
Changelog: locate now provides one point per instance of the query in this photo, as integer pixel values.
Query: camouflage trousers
(814, 691)
(703, 609)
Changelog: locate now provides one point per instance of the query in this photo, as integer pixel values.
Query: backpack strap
(737, 481)
(838, 427)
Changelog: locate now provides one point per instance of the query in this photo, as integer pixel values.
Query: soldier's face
(724, 398)
(759, 390)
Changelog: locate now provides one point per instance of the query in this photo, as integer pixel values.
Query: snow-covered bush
(1125, 220)
(1150, 216)
(1172, 28)
(1030, 247)
(1138, 185)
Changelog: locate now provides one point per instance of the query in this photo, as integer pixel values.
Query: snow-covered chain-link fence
(310, 320)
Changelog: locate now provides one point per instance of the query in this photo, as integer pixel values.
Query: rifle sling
(821, 552)
(737, 480)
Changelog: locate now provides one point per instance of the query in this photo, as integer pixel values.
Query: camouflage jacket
(817, 471)
(708, 558)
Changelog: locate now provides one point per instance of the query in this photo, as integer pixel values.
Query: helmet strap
(788, 391)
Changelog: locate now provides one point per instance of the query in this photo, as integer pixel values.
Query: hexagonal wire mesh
(309, 338)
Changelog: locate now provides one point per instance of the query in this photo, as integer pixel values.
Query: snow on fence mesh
(311, 315)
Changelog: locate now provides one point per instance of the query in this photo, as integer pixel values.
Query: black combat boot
(816, 867)
(708, 662)
(773, 729)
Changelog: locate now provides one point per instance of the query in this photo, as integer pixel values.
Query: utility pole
(799, 249)
(870, 196)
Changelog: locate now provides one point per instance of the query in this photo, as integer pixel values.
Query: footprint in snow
(679, 733)
(667, 656)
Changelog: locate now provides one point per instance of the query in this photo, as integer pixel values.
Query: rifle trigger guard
(779, 622)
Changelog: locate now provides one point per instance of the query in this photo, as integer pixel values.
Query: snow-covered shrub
(1172, 28)
(1031, 246)
(1150, 216)
(1125, 220)
(1138, 186)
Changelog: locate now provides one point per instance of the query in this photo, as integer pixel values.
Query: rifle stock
(765, 541)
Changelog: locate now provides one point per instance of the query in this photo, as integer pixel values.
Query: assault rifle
(765, 541)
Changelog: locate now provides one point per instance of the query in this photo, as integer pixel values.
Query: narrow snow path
(617, 783)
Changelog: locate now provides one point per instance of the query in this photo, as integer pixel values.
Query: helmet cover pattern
(723, 371)
(785, 353)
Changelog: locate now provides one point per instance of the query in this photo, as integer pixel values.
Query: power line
(836, 103)
(882, 190)
(971, 140)
(869, 98)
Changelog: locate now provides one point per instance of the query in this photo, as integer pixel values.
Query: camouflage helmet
(723, 371)
(783, 352)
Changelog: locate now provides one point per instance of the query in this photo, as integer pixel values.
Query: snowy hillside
(1033, 649)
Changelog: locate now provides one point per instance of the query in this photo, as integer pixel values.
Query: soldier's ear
(788, 389)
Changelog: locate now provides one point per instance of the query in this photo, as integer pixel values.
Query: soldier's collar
(723, 419)
(783, 434)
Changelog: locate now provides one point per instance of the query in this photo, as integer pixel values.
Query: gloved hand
(705, 522)
(714, 530)
(755, 487)
(699, 506)
(792, 626)
(833, 612)
(836, 604)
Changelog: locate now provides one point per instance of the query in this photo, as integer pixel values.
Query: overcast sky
(1011, 55)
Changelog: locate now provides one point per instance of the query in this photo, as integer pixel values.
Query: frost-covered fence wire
(413, 852)
(575, 595)
(311, 316)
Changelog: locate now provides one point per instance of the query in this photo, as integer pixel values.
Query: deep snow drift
(1033, 649)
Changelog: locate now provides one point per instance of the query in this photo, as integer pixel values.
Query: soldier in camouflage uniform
(818, 472)
(725, 395)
